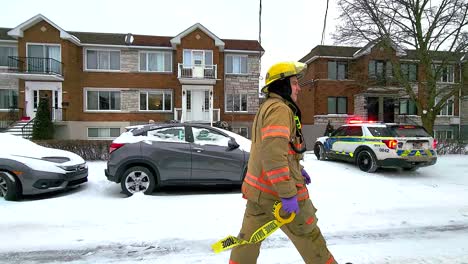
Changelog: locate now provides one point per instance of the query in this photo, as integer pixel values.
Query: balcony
(35, 68)
(196, 117)
(197, 74)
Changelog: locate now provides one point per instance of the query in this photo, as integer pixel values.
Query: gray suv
(176, 154)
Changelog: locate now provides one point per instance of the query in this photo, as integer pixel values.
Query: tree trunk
(428, 122)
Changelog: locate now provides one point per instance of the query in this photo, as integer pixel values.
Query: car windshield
(409, 131)
(381, 132)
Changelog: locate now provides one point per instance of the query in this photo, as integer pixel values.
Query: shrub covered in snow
(452, 147)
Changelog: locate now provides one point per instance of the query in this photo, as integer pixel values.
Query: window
(204, 136)
(341, 131)
(443, 73)
(236, 64)
(337, 70)
(5, 52)
(156, 100)
(354, 131)
(408, 107)
(102, 100)
(409, 71)
(189, 100)
(207, 101)
(443, 134)
(243, 131)
(380, 131)
(408, 131)
(380, 70)
(44, 58)
(156, 61)
(103, 132)
(102, 60)
(170, 134)
(447, 109)
(337, 105)
(8, 98)
(236, 102)
(198, 57)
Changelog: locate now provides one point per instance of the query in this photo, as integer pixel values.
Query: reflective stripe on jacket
(274, 171)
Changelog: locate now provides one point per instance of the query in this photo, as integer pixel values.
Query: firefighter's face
(295, 88)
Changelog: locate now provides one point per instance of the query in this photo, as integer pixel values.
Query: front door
(37, 96)
(200, 105)
(389, 110)
(212, 160)
(373, 108)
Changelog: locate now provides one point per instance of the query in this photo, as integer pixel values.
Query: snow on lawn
(390, 216)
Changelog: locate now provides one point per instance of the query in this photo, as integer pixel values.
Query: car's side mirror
(232, 144)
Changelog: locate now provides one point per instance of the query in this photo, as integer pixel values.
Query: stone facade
(130, 100)
(246, 83)
(129, 60)
(8, 83)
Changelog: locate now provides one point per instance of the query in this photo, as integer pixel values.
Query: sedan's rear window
(380, 132)
(409, 131)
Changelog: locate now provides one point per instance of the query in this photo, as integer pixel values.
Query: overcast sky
(290, 28)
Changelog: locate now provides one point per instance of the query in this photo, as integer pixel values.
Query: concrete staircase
(16, 129)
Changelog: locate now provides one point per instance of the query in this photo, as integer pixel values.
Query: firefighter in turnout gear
(275, 174)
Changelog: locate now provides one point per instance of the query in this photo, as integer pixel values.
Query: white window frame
(192, 63)
(102, 138)
(437, 134)
(240, 56)
(85, 99)
(8, 46)
(240, 102)
(441, 77)
(159, 91)
(154, 52)
(237, 130)
(446, 107)
(85, 60)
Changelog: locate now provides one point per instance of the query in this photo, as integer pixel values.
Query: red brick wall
(76, 79)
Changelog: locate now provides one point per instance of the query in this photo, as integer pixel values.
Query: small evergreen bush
(43, 128)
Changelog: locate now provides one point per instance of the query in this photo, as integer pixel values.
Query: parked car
(27, 168)
(372, 145)
(176, 154)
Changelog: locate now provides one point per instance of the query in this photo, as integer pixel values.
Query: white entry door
(200, 105)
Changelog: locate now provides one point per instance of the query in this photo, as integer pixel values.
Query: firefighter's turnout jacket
(274, 170)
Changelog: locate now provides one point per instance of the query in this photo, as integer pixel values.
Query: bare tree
(437, 33)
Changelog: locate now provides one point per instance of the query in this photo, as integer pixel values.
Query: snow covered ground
(390, 216)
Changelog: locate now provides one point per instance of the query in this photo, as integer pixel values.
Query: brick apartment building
(348, 82)
(99, 83)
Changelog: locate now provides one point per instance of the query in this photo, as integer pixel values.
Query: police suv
(372, 145)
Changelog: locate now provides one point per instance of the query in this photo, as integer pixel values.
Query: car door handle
(198, 149)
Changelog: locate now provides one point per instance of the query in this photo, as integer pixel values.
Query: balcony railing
(199, 71)
(57, 114)
(35, 65)
(189, 116)
(8, 118)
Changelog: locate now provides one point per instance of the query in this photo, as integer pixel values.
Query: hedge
(87, 149)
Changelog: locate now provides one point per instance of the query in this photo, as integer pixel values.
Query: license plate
(417, 145)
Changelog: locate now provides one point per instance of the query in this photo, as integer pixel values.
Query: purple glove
(306, 176)
(290, 204)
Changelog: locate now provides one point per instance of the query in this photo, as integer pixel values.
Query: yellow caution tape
(259, 235)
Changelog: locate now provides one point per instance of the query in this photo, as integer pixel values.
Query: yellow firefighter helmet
(282, 70)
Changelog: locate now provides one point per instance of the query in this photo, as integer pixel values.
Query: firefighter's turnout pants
(303, 232)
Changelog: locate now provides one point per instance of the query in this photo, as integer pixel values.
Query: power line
(324, 23)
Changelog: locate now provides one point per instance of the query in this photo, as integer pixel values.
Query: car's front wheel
(9, 187)
(367, 161)
(319, 151)
(138, 179)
